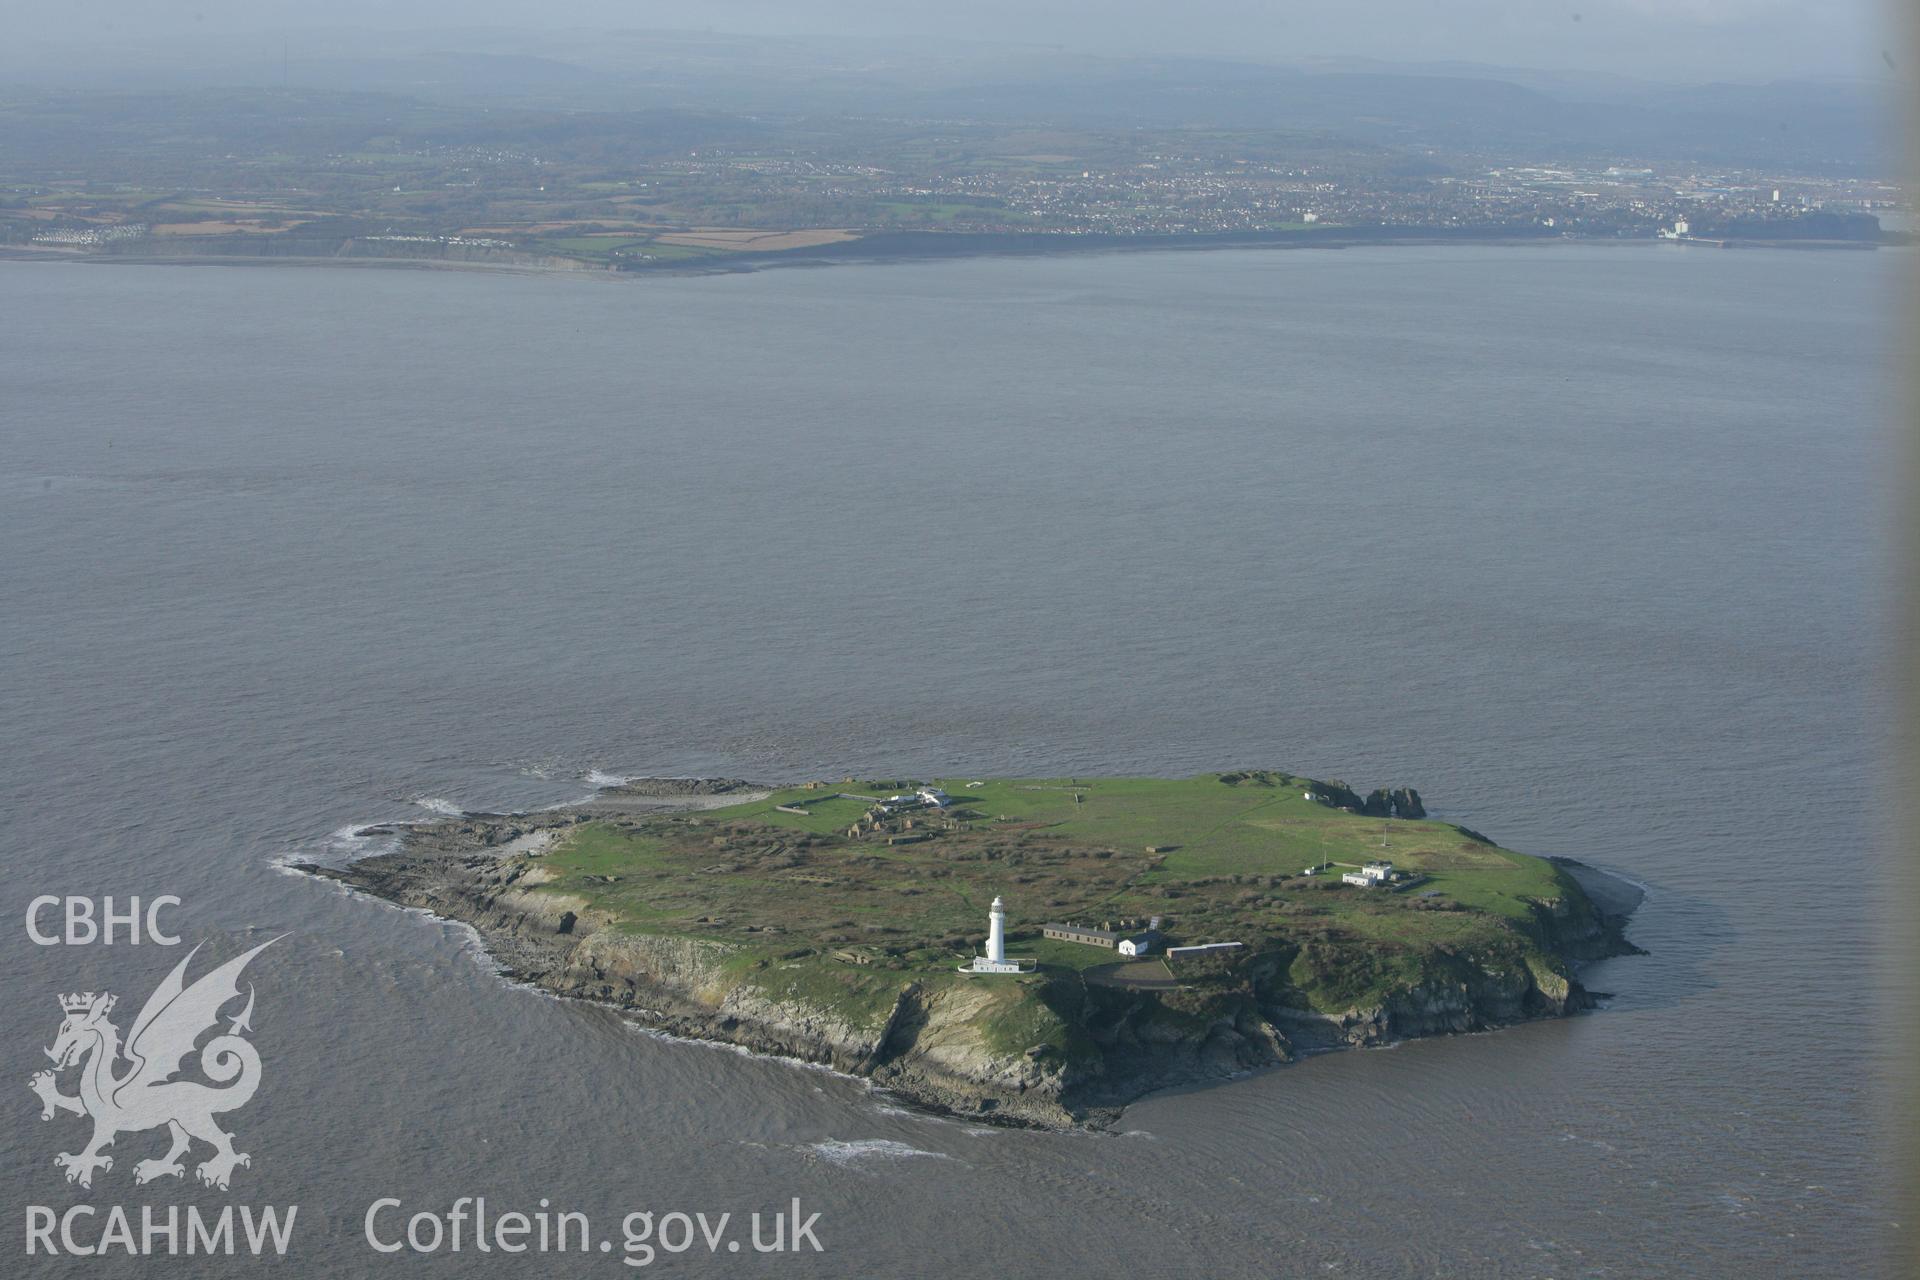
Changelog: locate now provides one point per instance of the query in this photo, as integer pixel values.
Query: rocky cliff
(1053, 1050)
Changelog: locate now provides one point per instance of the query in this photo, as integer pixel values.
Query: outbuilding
(1203, 948)
(1081, 934)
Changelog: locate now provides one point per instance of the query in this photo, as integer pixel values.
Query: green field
(606, 246)
(817, 912)
(1207, 828)
(912, 213)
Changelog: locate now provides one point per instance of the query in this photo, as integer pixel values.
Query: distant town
(254, 174)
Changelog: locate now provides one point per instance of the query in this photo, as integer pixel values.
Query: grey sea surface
(1588, 543)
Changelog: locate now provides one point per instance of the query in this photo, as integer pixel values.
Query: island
(1029, 951)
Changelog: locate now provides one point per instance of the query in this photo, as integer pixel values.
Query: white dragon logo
(146, 1095)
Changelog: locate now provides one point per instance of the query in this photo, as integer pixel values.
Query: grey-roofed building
(1082, 934)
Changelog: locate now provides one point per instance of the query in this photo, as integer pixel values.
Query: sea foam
(834, 1151)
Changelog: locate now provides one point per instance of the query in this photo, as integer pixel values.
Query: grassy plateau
(843, 906)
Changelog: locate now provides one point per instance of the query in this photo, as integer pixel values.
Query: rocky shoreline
(483, 870)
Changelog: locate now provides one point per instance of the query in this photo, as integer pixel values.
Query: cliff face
(1051, 1048)
(1441, 1005)
(931, 1047)
(938, 1054)
(1054, 1053)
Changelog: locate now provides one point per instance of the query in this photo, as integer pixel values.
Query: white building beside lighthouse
(995, 961)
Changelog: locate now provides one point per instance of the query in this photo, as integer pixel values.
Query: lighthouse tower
(995, 960)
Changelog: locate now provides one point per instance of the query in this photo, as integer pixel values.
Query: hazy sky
(1664, 39)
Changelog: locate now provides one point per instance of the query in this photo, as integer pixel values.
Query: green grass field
(814, 912)
(939, 212)
(1208, 828)
(602, 247)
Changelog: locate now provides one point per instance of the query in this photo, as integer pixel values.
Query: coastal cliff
(1068, 1042)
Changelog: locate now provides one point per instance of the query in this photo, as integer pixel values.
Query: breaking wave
(834, 1151)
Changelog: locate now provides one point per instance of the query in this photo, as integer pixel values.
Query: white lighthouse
(995, 961)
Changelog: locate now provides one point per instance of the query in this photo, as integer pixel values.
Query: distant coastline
(877, 248)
